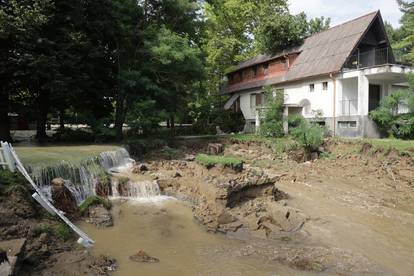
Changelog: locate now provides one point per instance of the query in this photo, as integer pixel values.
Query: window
(256, 100)
(259, 99)
(347, 124)
(311, 87)
(266, 67)
(252, 100)
(325, 85)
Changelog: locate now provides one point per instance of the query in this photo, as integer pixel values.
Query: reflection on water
(167, 230)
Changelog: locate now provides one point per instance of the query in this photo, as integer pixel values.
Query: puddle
(167, 230)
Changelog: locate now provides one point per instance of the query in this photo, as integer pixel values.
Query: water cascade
(135, 189)
(81, 178)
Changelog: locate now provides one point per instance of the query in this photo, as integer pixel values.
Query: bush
(309, 136)
(295, 120)
(138, 147)
(272, 123)
(61, 231)
(73, 135)
(11, 182)
(387, 117)
(93, 201)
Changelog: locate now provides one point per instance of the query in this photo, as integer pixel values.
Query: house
(336, 77)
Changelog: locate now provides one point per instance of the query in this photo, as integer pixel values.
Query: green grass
(279, 145)
(94, 200)
(48, 155)
(400, 145)
(61, 231)
(212, 160)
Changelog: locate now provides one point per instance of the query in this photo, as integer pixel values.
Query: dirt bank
(42, 244)
(349, 212)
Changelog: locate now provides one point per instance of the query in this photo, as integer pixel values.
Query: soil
(352, 212)
(44, 251)
(349, 213)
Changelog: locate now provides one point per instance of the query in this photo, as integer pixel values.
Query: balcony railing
(373, 57)
(348, 107)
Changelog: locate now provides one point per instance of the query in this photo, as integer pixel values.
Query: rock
(100, 216)
(177, 174)
(143, 257)
(314, 155)
(278, 194)
(104, 264)
(63, 198)
(189, 157)
(215, 148)
(225, 217)
(9, 252)
(140, 168)
(289, 219)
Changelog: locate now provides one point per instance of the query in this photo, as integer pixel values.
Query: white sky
(343, 10)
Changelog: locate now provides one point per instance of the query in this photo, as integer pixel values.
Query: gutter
(334, 103)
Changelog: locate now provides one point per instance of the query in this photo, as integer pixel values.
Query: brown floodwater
(166, 230)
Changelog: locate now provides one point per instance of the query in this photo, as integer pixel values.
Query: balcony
(348, 107)
(373, 57)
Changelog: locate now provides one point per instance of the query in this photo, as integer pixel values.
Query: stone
(143, 257)
(9, 252)
(63, 198)
(140, 168)
(289, 219)
(100, 216)
(225, 217)
(215, 148)
(176, 174)
(189, 157)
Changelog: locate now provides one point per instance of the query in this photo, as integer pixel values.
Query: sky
(343, 10)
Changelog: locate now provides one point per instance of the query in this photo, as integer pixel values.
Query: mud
(46, 251)
(351, 212)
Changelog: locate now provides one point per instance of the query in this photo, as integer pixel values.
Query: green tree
(405, 42)
(318, 24)
(272, 122)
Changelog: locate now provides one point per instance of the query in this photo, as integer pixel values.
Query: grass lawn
(401, 145)
(211, 160)
(47, 155)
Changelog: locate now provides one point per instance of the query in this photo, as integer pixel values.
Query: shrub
(295, 120)
(138, 147)
(387, 117)
(61, 231)
(309, 136)
(73, 135)
(93, 201)
(272, 123)
(11, 182)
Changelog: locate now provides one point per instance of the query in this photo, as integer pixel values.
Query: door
(374, 96)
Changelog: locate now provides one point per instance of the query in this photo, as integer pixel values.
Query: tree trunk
(4, 118)
(172, 125)
(119, 115)
(120, 100)
(43, 104)
(62, 119)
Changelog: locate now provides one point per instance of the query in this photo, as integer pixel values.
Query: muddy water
(167, 230)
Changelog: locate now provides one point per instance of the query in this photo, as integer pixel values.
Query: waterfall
(145, 190)
(80, 178)
(113, 159)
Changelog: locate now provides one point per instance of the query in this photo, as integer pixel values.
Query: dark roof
(320, 54)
